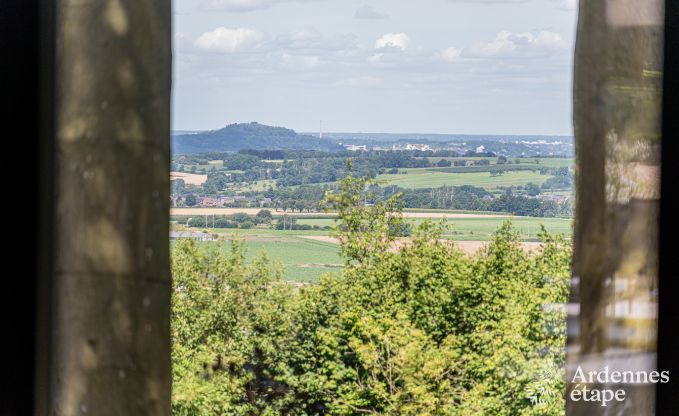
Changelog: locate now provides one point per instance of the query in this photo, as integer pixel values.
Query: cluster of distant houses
(411, 146)
(396, 147)
(222, 201)
(560, 199)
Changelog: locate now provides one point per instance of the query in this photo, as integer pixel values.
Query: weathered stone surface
(617, 110)
(111, 330)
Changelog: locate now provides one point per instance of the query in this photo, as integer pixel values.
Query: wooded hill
(235, 137)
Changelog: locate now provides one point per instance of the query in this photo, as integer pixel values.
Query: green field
(424, 178)
(303, 260)
(306, 260)
(482, 228)
(549, 162)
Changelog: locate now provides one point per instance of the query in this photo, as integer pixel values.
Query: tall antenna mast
(320, 135)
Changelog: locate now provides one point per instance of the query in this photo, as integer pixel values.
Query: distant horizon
(315, 133)
(308, 133)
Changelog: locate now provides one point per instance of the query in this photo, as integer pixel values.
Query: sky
(390, 66)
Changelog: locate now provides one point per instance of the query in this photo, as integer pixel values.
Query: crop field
(478, 228)
(425, 178)
(189, 178)
(550, 162)
(307, 255)
(302, 259)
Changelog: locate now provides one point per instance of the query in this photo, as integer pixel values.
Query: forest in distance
(294, 174)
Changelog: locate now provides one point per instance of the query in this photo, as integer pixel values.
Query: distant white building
(481, 149)
(411, 146)
(356, 147)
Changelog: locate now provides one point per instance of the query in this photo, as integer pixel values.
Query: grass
(303, 260)
(423, 178)
(549, 162)
(482, 228)
(306, 260)
(454, 211)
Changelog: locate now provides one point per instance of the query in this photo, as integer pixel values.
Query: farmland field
(478, 228)
(425, 178)
(306, 255)
(189, 178)
(303, 260)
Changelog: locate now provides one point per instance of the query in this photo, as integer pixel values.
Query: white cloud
(229, 40)
(508, 44)
(244, 5)
(549, 39)
(393, 41)
(369, 12)
(501, 44)
(451, 54)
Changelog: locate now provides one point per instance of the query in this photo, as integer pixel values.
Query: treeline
(293, 168)
(466, 197)
(472, 198)
(424, 330)
(241, 220)
(311, 167)
(204, 158)
(237, 220)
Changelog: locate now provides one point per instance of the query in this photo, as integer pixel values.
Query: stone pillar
(110, 340)
(617, 113)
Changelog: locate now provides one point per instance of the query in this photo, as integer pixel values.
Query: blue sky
(396, 66)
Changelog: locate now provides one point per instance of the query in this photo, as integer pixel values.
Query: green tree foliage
(264, 216)
(419, 330)
(364, 230)
(532, 189)
(177, 186)
(191, 200)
